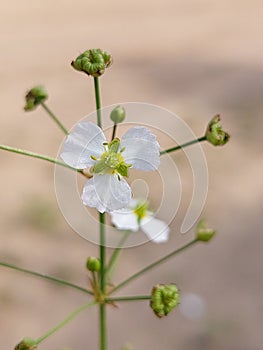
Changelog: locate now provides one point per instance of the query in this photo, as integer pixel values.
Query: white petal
(141, 149)
(125, 219)
(106, 193)
(156, 230)
(90, 197)
(86, 140)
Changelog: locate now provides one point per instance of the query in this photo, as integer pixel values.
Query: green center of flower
(141, 210)
(111, 161)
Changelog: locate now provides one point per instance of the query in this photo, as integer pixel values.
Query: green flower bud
(26, 344)
(215, 134)
(34, 97)
(203, 233)
(118, 115)
(164, 299)
(93, 62)
(93, 264)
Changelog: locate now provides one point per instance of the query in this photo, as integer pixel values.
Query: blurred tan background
(196, 58)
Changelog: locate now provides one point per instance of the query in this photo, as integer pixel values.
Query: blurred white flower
(86, 147)
(137, 216)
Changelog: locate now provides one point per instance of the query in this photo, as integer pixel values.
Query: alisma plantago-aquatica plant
(106, 165)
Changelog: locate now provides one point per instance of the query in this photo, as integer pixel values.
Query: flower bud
(93, 62)
(164, 299)
(34, 97)
(215, 134)
(93, 264)
(203, 233)
(118, 115)
(26, 344)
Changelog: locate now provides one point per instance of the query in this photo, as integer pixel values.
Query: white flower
(137, 216)
(86, 147)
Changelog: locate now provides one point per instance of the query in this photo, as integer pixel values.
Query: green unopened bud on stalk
(118, 114)
(93, 264)
(34, 97)
(92, 62)
(203, 233)
(164, 299)
(215, 134)
(26, 344)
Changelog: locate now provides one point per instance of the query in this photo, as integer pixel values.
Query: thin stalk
(102, 306)
(65, 321)
(98, 103)
(114, 131)
(102, 252)
(151, 266)
(38, 156)
(103, 327)
(54, 118)
(115, 255)
(47, 277)
(169, 150)
(130, 298)
(103, 336)
(95, 282)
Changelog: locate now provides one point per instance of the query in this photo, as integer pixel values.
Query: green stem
(37, 155)
(98, 103)
(102, 253)
(114, 131)
(96, 286)
(47, 277)
(65, 321)
(151, 266)
(130, 298)
(169, 150)
(103, 327)
(103, 336)
(115, 255)
(94, 279)
(54, 118)
(102, 306)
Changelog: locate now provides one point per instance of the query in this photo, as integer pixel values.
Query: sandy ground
(196, 58)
